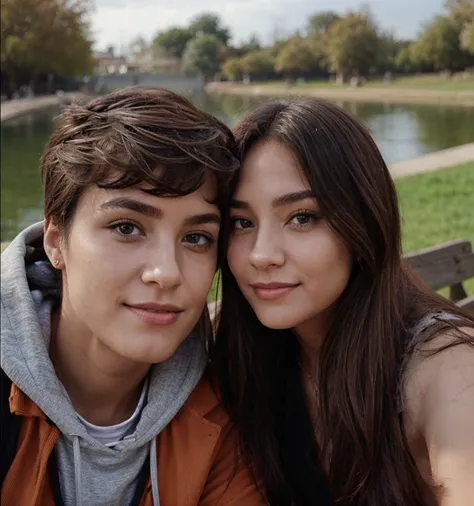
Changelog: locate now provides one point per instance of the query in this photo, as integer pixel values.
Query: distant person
(105, 398)
(351, 383)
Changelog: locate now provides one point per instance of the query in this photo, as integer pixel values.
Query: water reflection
(401, 131)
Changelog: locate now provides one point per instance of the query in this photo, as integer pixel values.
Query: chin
(149, 354)
(277, 321)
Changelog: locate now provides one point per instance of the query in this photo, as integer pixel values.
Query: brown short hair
(131, 137)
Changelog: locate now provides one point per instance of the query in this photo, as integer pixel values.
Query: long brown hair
(361, 361)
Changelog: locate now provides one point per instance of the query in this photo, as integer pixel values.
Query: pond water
(401, 132)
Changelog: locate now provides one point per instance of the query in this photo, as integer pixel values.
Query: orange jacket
(196, 457)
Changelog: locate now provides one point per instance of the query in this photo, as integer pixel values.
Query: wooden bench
(446, 265)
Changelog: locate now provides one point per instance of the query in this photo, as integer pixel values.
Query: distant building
(151, 60)
(108, 63)
(147, 60)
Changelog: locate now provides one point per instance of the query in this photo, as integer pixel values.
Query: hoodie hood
(29, 291)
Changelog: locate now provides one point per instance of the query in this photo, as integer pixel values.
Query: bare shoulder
(433, 376)
(439, 409)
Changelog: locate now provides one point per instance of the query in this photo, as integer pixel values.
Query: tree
(253, 44)
(173, 41)
(461, 11)
(352, 44)
(467, 37)
(202, 56)
(393, 55)
(320, 22)
(403, 61)
(296, 58)
(45, 37)
(258, 63)
(232, 69)
(439, 46)
(209, 24)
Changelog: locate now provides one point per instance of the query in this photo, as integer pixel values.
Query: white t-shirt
(110, 435)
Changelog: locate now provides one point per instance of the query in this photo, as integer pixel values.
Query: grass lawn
(436, 207)
(427, 82)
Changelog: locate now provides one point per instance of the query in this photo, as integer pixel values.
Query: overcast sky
(117, 22)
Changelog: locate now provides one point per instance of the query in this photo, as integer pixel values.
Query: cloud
(117, 22)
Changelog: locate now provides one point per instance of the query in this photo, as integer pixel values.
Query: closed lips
(156, 308)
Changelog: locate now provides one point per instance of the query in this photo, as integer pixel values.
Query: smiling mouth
(156, 314)
(273, 291)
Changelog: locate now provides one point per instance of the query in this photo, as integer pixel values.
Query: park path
(13, 108)
(433, 161)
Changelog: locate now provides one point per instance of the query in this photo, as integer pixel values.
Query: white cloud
(117, 22)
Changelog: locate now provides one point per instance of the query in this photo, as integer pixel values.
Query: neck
(104, 387)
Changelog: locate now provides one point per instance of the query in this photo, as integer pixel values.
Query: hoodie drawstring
(77, 470)
(154, 473)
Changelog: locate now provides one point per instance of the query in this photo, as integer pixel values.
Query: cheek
(198, 277)
(329, 267)
(95, 274)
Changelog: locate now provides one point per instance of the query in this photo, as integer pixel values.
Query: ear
(53, 243)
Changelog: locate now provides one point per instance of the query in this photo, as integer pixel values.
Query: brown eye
(241, 223)
(199, 240)
(303, 219)
(126, 228)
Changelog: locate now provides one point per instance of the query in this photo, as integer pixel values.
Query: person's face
(137, 268)
(288, 262)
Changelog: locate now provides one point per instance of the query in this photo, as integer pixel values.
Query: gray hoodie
(90, 474)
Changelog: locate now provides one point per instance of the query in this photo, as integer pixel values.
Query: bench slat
(443, 265)
(467, 304)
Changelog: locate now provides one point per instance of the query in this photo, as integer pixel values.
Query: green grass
(426, 82)
(438, 207)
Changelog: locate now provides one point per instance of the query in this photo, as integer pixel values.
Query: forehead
(204, 197)
(270, 169)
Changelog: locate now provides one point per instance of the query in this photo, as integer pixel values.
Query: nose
(163, 268)
(266, 252)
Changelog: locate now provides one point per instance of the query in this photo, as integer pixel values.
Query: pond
(401, 132)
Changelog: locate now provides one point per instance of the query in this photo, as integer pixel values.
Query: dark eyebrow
(202, 219)
(283, 200)
(291, 198)
(239, 204)
(155, 212)
(133, 205)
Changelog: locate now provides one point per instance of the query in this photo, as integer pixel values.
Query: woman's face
(137, 268)
(287, 261)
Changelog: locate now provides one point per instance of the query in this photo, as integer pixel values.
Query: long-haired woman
(350, 381)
